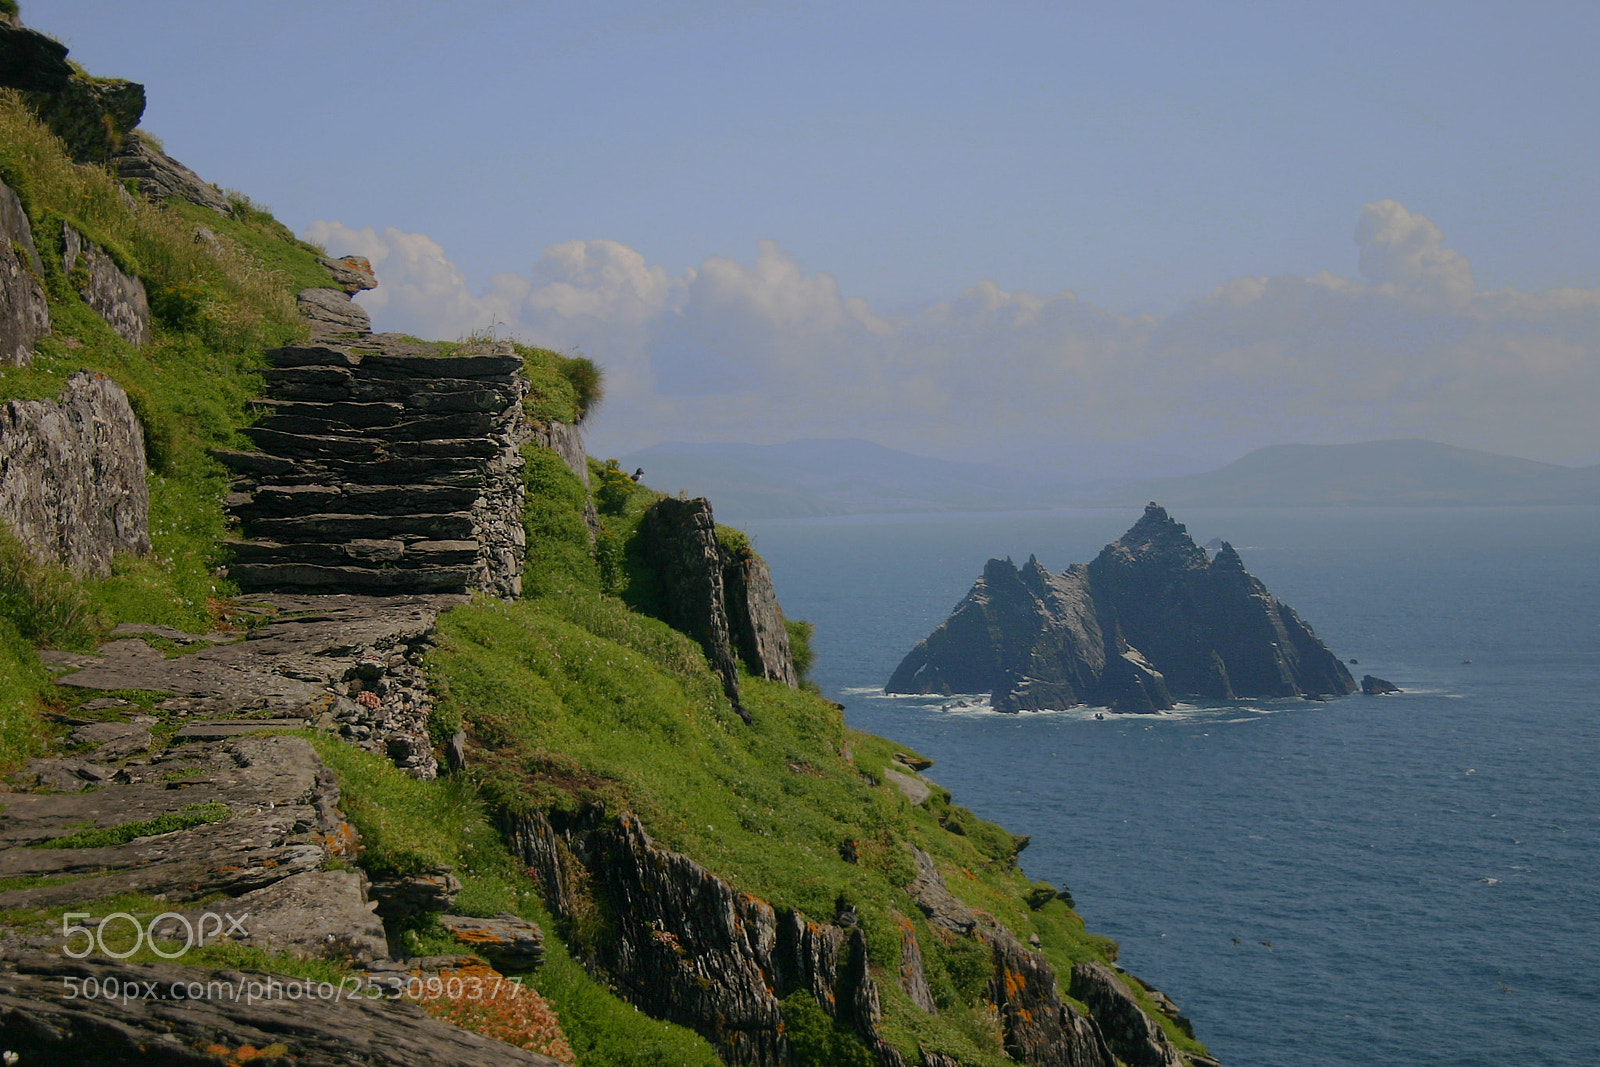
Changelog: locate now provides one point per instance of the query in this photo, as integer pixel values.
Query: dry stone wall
(72, 475)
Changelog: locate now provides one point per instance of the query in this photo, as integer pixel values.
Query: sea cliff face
(1151, 619)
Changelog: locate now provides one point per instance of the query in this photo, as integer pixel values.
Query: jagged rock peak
(1150, 620)
(1156, 536)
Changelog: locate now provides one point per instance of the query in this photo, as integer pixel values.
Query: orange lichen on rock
(479, 998)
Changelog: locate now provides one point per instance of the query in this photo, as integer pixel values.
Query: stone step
(310, 356)
(358, 552)
(254, 464)
(334, 384)
(282, 501)
(394, 365)
(358, 414)
(313, 446)
(338, 527)
(453, 448)
(329, 420)
(411, 470)
(307, 577)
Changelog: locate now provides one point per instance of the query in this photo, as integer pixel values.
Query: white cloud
(1405, 254)
(768, 351)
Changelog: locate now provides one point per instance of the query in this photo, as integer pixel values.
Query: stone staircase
(386, 466)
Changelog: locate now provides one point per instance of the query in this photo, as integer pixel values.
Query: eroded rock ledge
(683, 944)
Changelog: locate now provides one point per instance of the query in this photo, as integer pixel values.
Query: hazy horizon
(1148, 236)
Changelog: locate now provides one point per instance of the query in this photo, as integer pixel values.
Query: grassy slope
(216, 307)
(576, 679)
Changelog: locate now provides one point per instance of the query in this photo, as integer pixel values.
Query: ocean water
(1424, 866)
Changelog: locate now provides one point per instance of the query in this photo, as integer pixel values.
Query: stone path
(216, 819)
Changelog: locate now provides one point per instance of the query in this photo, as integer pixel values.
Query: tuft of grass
(800, 652)
(562, 388)
(43, 602)
(104, 836)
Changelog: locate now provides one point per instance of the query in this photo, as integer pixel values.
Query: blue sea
(1425, 867)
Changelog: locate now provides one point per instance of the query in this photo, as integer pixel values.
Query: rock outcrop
(160, 177)
(687, 946)
(198, 1017)
(118, 298)
(1135, 1038)
(92, 116)
(566, 441)
(1373, 686)
(756, 621)
(723, 600)
(72, 475)
(385, 467)
(1149, 619)
(24, 313)
(679, 539)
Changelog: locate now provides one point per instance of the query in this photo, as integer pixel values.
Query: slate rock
(92, 116)
(113, 740)
(402, 896)
(1372, 686)
(1134, 1037)
(42, 1026)
(679, 540)
(915, 789)
(913, 977)
(72, 475)
(116, 297)
(160, 177)
(1039, 1028)
(353, 273)
(928, 889)
(314, 915)
(332, 312)
(506, 941)
(24, 312)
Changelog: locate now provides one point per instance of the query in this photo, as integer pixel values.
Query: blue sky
(1173, 231)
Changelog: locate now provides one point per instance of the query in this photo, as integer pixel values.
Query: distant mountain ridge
(1400, 472)
(846, 476)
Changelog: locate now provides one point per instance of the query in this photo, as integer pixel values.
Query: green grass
(22, 684)
(216, 307)
(103, 836)
(767, 806)
(410, 825)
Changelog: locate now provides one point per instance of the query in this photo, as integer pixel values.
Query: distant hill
(847, 476)
(1406, 472)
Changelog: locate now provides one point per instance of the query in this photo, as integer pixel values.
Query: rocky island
(1150, 620)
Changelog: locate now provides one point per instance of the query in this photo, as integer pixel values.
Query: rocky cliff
(723, 599)
(1149, 620)
(72, 475)
(24, 312)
